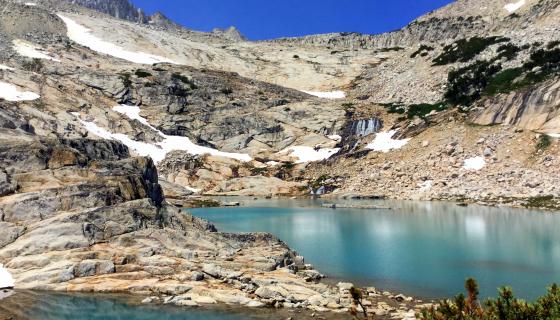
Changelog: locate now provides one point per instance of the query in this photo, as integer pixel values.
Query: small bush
(226, 91)
(183, 79)
(552, 44)
(33, 65)
(394, 107)
(125, 79)
(508, 51)
(505, 307)
(465, 50)
(466, 85)
(422, 51)
(544, 142)
(390, 49)
(547, 202)
(423, 109)
(504, 81)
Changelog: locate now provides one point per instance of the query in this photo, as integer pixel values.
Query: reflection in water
(421, 248)
(58, 306)
(475, 227)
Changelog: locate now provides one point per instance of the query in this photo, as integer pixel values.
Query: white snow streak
(426, 186)
(512, 7)
(335, 137)
(309, 154)
(4, 67)
(11, 93)
(476, 163)
(159, 150)
(6, 279)
(384, 142)
(191, 189)
(133, 112)
(554, 135)
(30, 4)
(83, 36)
(28, 50)
(328, 95)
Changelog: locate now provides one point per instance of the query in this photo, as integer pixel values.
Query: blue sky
(267, 19)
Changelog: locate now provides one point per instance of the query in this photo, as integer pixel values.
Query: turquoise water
(57, 306)
(425, 249)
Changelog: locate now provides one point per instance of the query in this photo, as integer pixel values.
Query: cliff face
(534, 108)
(120, 9)
(123, 9)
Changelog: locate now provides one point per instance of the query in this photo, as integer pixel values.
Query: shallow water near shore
(28, 305)
(425, 249)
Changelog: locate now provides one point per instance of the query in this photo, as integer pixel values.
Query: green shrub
(544, 142)
(552, 44)
(465, 50)
(504, 307)
(422, 51)
(33, 65)
(466, 85)
(504, 81)
(226, 91)
(125, 79)
(183, 79)
(394, 107)
(508, 51)
(423, 109)
(548, 202)
(390, 49)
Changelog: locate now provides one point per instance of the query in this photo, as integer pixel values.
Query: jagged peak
(231, 33)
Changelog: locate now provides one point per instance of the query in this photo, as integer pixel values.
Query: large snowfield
(83, 36)
(384, 142)
(11, 93)
(159, 150)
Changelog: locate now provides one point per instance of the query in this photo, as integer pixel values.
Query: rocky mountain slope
(101, 131)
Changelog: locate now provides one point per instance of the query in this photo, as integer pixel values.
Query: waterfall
(366, 127)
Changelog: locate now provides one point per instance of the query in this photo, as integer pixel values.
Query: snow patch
(30, 4)
(6, 279)
(28, 50)
(4, 67)
(475, 163)
(272, 163)
(11, 93)
(83, 36)
(426, 185)
(384, 142)
(159, 150)
(191, 189)
(554, 135)
(512, 7)
(335, 137)
(328, 95)
(309, 154)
